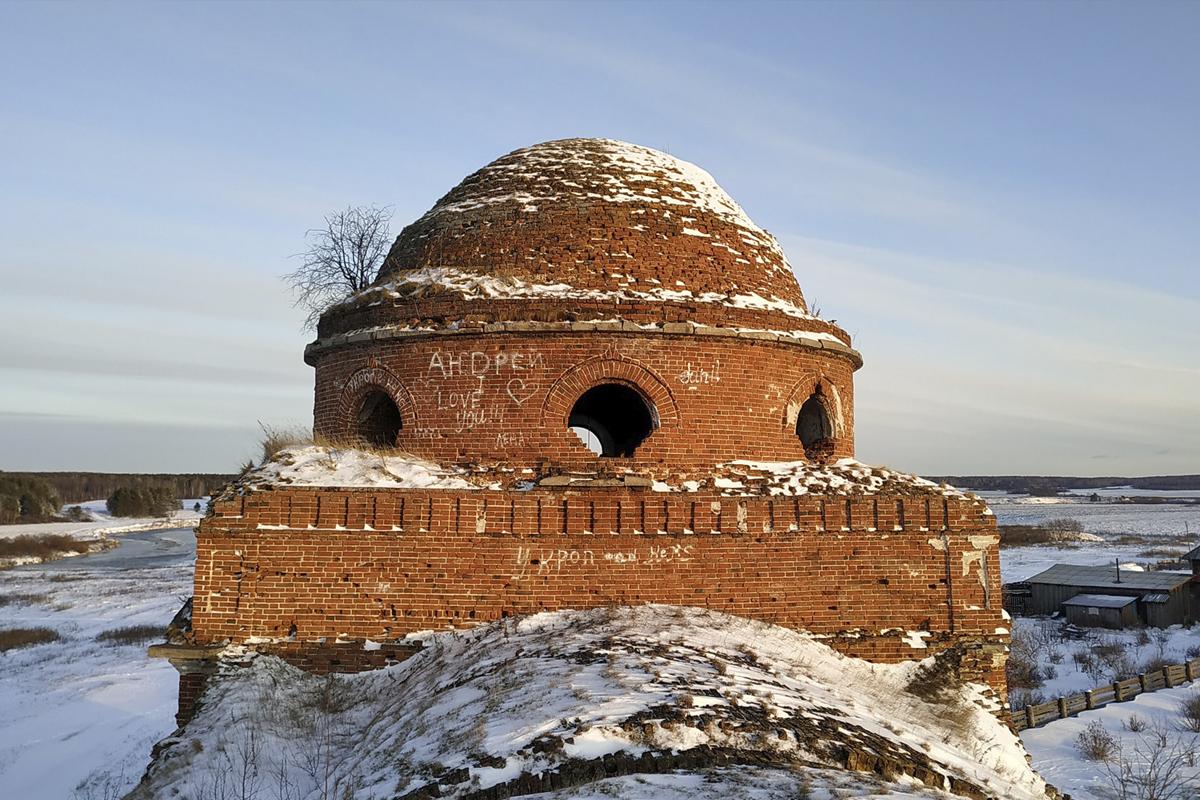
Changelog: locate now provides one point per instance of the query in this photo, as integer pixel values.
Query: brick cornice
(804, 339)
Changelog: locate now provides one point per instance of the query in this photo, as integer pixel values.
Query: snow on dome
(589, 219)
(623, 173)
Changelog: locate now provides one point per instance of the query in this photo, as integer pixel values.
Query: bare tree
(342, 258)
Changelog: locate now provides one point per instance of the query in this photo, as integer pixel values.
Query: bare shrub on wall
(343, 257)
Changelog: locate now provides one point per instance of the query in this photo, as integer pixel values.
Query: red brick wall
(381, 564)
(506, 398)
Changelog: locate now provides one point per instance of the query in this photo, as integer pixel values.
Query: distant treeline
(79, 487)
(1055, 484)
(26, 499)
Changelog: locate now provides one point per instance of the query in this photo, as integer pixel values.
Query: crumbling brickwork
(506, 398)
(309, 565)
(595, 288)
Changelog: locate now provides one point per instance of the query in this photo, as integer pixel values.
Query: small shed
(1162, 598)
(1101, 611)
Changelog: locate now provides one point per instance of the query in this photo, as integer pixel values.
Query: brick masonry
(506, 397)
(635, 270)
(873, 574)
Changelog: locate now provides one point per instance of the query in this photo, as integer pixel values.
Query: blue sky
(999, 201)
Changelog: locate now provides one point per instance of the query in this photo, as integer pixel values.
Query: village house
(1107, 596)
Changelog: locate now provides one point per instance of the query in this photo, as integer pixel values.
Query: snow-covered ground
(1128, 532)
(103, 524)
(1070, 674)
(78, 709)
(97, 531)
(505, 703)
(1139, 533)
(78, 706)
(1057, 757)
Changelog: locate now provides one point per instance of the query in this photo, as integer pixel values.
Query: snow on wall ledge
(568, 698)
(347, 467)
(317, 465)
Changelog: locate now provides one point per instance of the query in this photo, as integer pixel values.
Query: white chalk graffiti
(520, 391)
(549, 560)
(447, 364)
(510, 439)
(693, 376)
(477, 407)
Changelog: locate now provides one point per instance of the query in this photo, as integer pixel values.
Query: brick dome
(586, 287)
(587, 224)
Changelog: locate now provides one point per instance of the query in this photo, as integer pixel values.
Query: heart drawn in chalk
(519, 391)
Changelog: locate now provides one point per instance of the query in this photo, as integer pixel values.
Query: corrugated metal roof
(1100, 600)
(1191, 555)
(1155, 598)
(1106, 577)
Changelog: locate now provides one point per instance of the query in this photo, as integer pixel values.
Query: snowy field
(78, 711)
(79, 708)
(1133, 533)
(1057, 758)
(1172, 527)
(102, 524)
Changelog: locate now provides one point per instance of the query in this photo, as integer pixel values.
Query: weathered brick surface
(362, 564)
(506, 398)
(554, 270)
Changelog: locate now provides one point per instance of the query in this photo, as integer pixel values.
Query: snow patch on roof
(316, 465)
(845, 476)
(417, 283)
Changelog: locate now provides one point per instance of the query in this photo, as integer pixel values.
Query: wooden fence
(1165, 678)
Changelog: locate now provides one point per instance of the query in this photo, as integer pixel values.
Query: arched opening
(378, 420)
(815, 428)
(612, 419)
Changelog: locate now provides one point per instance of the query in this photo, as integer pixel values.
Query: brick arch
(370, 379)
(805, 389)
(606, 369)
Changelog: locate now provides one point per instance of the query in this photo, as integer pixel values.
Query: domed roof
(591, 219)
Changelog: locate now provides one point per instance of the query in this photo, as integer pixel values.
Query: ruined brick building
(609, 391)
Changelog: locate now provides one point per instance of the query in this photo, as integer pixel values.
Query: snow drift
(658, 701)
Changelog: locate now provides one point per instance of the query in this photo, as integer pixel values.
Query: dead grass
(23, 599)
(12, 638)
(43, 546)
(132, 634)
(275, 440)
(1061, 532)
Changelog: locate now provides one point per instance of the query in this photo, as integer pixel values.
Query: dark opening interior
(378, 422)
(814, 427)
(611, 419)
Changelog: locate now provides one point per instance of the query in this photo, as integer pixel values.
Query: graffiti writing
(552, 561)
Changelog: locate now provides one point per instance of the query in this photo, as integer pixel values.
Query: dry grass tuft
(132, 634)
(12, 638)
(23, 599)
(276, 439)
(43, 546)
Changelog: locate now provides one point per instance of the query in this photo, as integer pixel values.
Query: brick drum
(600, 286)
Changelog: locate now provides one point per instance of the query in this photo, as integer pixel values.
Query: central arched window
(378, 420)
(814, 427)
(612, 419)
